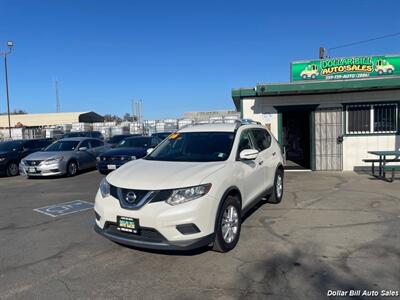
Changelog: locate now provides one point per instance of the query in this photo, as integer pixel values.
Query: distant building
(50, 119)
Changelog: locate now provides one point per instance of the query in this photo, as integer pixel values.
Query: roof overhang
(320, 87)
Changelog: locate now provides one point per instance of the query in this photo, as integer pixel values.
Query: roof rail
(239, 122)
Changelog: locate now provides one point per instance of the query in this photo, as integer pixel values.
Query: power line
(365, 41)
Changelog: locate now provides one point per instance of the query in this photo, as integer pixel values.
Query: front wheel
(72, 169)
(277, 193)
(12, 169)
(228, 225)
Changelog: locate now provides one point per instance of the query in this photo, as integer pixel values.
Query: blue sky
(176, 56)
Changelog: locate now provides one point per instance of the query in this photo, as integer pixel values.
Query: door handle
(260, 162)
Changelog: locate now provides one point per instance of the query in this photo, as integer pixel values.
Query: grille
(115, 158)
(145, 234)
(135, 199)
(33, 162)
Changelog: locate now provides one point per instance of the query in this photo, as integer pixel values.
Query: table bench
(373, 161)
(391, 168)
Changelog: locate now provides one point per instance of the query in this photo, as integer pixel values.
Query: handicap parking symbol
(65, 208)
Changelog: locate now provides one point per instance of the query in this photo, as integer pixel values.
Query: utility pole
(9, 45)
(57, 96)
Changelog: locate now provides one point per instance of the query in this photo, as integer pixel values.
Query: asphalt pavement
(333, 231)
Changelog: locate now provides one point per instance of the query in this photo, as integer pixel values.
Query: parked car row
(74, 152)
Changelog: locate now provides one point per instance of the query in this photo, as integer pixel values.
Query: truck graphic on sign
(383, 67)
(310, 72)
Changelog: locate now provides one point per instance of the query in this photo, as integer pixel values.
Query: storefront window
(372, 118)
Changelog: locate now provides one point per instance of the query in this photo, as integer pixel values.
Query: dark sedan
(127, 150)
(11, 153)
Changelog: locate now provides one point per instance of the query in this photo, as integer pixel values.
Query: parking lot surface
(332, 231)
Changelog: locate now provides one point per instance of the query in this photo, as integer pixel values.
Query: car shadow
(169, 252)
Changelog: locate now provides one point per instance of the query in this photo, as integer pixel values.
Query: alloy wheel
(230, 224)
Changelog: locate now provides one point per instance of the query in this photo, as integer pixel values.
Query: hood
(145, 174)
(43, 155)
(125, 151)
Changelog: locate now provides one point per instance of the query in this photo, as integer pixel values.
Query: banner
(358, 67)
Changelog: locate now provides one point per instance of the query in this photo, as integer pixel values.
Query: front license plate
(128, 224)
(111, 167)
(31, 170)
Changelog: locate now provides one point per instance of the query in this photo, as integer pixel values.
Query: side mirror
(82, 148)
(149, 150)
(248, 154)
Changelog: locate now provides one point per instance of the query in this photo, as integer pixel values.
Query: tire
(304, 77)
(72, 168)
(230, 215)
(313, 76)
(380, 72)
(277, 193)
(12, 169)
(389, 71)
(104, 172)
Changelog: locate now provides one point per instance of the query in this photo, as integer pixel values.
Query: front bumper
(153, 241)
(103, 166)
(162, 219)
(56, 169)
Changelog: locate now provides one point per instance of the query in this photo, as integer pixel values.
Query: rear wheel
(228, 225)
(277, 192)
(12, 169)
(72, 168)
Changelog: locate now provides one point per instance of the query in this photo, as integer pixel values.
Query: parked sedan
(64, 157)
(11, 153)
(128, 149)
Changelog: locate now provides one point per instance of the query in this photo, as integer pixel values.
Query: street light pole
(9, 45)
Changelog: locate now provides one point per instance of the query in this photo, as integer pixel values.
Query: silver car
(64, 157)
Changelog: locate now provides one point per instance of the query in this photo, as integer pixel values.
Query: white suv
(192, 189)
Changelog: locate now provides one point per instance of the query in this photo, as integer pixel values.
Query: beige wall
(355, 149)
(263, 113)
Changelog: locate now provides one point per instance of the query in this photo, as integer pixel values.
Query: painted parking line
(66, 208)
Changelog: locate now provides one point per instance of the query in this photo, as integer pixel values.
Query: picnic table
(395, 157)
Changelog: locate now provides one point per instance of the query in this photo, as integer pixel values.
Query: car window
(63, 145)
(96, 134)
(85, 143)
(245, 141)
(96, 143)
(262, 139)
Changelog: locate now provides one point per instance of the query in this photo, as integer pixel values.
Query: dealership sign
(346, 68)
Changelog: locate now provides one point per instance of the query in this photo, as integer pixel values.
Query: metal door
(328, 139)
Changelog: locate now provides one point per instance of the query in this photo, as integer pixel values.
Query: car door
(98, 146)
(86, 157)
(262, 140)
(250, 173)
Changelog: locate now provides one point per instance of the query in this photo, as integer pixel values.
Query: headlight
(2, 158)
(180, 196)
(133, 157)
(98, 158)
(104, 188)
(53, 160)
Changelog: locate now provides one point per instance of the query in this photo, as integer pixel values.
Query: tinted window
(43, 143)
(262, 139)
(30, 145)
(245, 141)
(63, 146)
(117, 138)
(141, 142)
(96, 143)
(194, 146)
(85, 143)
(96, 134)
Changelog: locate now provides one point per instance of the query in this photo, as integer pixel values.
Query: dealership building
(332, 112)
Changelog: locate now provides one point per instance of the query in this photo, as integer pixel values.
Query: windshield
(141, 142)
(63, 146)
(117, 138)
(195, 146)
(11, 145)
